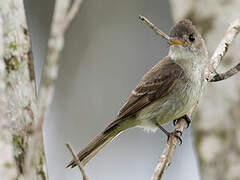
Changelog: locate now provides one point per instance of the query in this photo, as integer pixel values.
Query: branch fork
(211, 76)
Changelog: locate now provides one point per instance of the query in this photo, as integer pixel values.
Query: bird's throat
(193, 65)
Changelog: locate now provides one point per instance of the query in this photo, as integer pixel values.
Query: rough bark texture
(216, 127)
(18, 107)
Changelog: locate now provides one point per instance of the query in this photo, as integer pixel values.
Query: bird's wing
(155, 84)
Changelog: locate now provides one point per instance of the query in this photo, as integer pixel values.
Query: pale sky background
(107, 50)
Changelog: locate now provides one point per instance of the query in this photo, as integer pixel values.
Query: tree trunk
(217, 123)
(18, 105)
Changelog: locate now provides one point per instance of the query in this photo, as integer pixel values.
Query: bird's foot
(175, 133)
(185, 117)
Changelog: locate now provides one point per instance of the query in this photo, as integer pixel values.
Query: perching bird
(165, 93)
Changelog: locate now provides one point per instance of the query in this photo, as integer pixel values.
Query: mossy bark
(18, 105)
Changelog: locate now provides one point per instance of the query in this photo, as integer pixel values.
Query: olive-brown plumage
(166, 92)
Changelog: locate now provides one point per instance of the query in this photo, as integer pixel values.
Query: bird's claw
(185, 117)
(176, 134)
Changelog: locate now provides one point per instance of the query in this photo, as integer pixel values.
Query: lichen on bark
(18, 113)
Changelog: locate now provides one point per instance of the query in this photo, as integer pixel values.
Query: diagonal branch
(62, 19)
(153, 27)
(165, 159)
(72, 12)
(75, 158)
(168, 152)
(210, 73)
(222, 48)
(226, 75)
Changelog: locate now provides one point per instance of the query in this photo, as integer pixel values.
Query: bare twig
(61, 22)
(72, 12)
(219, 53)
(154, 28)
(222, 48)
(165, 159)
(226, 75)
(77, 162)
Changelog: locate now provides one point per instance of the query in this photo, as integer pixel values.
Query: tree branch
(62, 19)
(222, 48)
(75, 158)
(226, 75)
(18, 102)
(153, 27)
(216, 140)
(219, 53)
(165, 159)
(72, 12)
(168, 152)
(6, 149)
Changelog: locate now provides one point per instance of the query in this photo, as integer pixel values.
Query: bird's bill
(176, 42)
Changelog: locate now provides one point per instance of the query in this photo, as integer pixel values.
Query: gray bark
(18, 106)
(216, 126)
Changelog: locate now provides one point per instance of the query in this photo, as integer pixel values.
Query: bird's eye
(191, 38)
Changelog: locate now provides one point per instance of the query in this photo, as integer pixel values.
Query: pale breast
(177, 103)
(183, 97)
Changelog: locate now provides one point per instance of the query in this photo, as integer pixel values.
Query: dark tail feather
(97, 144)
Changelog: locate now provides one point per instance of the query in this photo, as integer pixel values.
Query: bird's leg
(177, 134)
(185, 117)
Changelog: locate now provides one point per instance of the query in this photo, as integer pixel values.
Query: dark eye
(191, 38)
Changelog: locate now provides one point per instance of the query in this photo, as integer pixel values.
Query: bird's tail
(100, 141)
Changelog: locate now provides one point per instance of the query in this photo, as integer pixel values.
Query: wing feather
(155, 84)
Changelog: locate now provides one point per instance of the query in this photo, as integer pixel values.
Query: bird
(164, 94)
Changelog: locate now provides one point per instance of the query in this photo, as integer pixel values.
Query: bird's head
(185, 40)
